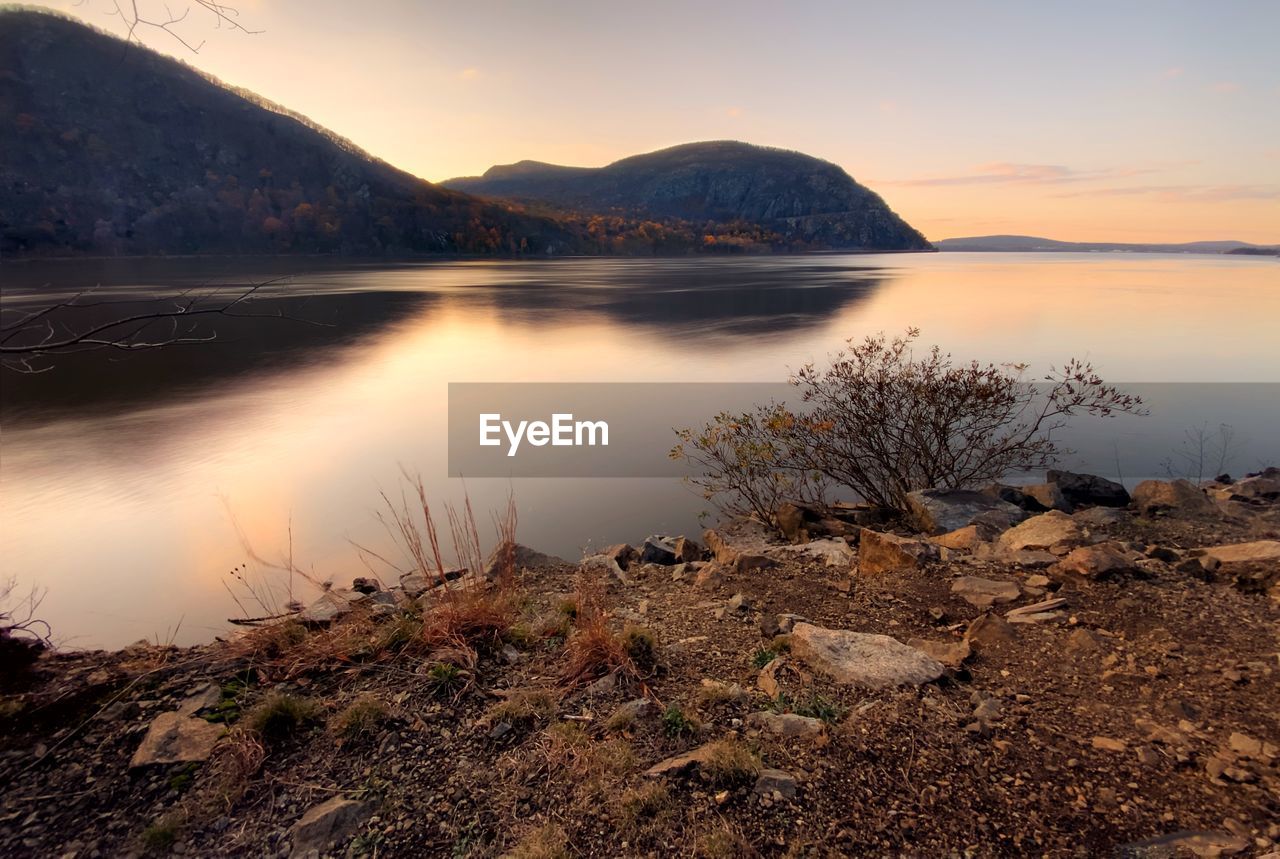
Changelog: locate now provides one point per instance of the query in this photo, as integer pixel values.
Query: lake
(131, 485)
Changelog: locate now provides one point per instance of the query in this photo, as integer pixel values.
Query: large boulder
(518, 557)
(1054, 532)
(862, 659)
(1088, 489)
(937, 511)
(1176, 497)
(739, 537)
(881, 552)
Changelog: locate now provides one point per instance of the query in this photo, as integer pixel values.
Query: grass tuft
(281, 715)
(361, 719)
(545, 842)
(730, 763)
(524, 707)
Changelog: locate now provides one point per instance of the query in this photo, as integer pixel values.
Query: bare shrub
(885, 421)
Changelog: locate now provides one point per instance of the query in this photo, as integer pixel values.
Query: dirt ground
(1152, 733)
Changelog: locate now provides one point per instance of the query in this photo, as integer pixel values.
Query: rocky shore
(1064, 669)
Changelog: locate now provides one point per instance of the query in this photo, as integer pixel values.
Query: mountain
(110, 148)
(799, 201)
(1035, 244)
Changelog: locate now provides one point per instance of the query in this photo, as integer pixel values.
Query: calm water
(122, 477)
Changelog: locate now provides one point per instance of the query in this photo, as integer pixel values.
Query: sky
(1139, 121)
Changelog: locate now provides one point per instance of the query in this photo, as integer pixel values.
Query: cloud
(1171, 73)
(1224, 87)
(1008, 173)
(468, 74)
(1185, 193)
(733, 112)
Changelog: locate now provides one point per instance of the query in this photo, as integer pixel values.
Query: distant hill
(109, 148)
(1035, 244)
(796, 200)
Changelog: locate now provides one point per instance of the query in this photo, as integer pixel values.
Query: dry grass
(729, 764)
(547, 841)
(650, 805)
(361, 719)
(723, 842)
(593, 649)
(280, 716)
(524, 707)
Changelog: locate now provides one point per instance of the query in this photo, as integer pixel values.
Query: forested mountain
(793, 200)
(108, 147)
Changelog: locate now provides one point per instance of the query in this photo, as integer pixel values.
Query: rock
(658, 550)
(779, 782)
(687, 551)
(1097, 517)
(623, 554)
(1108, 744)
(176, 738)
(1016, 496)
(1208, 845)
(603, 563)
(709, 577)
(788, 621)
(328, 607)
(767, 681)
(201, 698)
(1048, 496)
(1103, 561)
(740, 536)
(1082, 640)
(984, 593)
(730, 693)
(633, 711)
(1261, 487)
(832, 552)
(789, 725)
(1054, 532)
(1178, 497)
(738, 602)
(937, 511)
(518, 557)
(950, 653)
(880, 552)
(964, 539)
(1082, 489)
(1250, 747)
(863, 659)
(989, 630)
(1240, 554)
(328, 824)
(1037, 612)
(1038, 581)
(679, 765)
(747, 562)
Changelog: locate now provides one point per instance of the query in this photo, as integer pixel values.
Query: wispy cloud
(1009, 173)
(1185, 193)
(468, 74)
(1224, 87)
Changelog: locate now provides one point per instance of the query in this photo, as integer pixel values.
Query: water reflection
(115, 477)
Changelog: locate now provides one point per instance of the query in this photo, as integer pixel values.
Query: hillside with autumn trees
(108, 148)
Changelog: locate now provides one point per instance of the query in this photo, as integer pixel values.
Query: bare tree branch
(41, 334)
(137, 15)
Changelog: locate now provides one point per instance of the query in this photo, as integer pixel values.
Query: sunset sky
(1134, 121)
